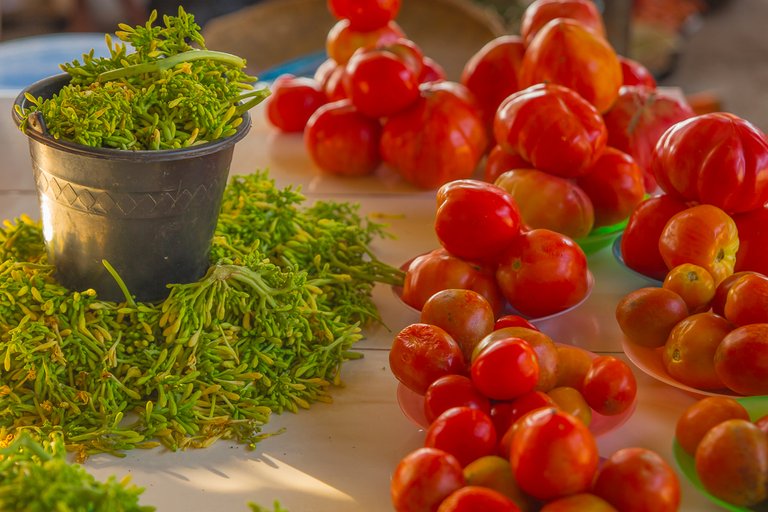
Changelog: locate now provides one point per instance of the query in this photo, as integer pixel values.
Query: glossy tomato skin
(293, 101)
(636, 121)
(343, 40)
(505, 412)
(552, 127)
(689, 353)
(747, 300)
(541, 12)
(717, 158)
(581, 502)
(340, 140)
(431, 71)
(465, 432)
(609, 386)
(513, 321)
(423, 479)
(693, 283)
(505, 369)
(553, 454)
(753, 240)
(421, 354)
(702, 415)
(638, 480)
(491, 73)
(741, 359)
(647, 315)
(440, 138)
(476, 220)
(473, 498)
(543, 273)
(453, 391)
(565, 52)
(640, 240)
(635, 73)
(439, 270)
(499, 160)
(364, 15)
(721, 291)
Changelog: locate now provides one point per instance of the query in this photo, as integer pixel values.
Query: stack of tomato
(508, 414)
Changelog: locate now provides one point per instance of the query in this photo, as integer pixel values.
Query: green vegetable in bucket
(165, 94)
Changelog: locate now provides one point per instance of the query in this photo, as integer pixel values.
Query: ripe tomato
(567, 208)
(702, 415)
(513, 321)
(505, 369)
(499, 160)
(504, 413)
(747, 300)
(693, 283)
(421, 354)
(473, 498)
(640, 240)
(465, 432)
(553, 454)
(635, 73)
(689, 353)
(732, 462)
(609, 386)
(341, 140)
(423, 479)
(566, 52)
(476, 220)
(543, 273)
(571, 401)
(431, 71)
(722, 289)
(581, 502)
(491, 73)
(464, 314)
(638, 480)
(439, 270)
(646, 316)
(364, 15)
(453, 391)
(333, 82)
(573, 363)
(494, 472)
(293, 101)
(552, 127)
(614, 186)
(541, 12)
(717, 158)
(753, 240)
(440, 138)
(343, 40)
(636, 121)
(741, 359)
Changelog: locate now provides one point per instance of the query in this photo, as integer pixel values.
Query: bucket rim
(114, 153)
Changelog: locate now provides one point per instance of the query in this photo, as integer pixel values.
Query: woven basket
(275, 31)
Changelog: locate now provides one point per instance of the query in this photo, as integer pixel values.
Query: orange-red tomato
(638, 480)
(702, 415)
(473, 498)
(466, 433)
(495, 472)
(646, 316)
(609, 386)
(722, 289)
(747, 300)
(505, 412)
(635, 73)
(703, 235)
(753, 240)
(500, 160)
(571, 401)
(424, 478)
(572, 366)
(741, 359)
(506, 369)
(365, 15)
(343, 40)
(540, 12)
(453, 391)
(565, 52)
(582, 502)
(693, 283)
(293, 101)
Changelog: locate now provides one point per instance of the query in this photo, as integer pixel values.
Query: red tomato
(581, 502)
(640, 240)
(541, 12)
(364, 15)
(491, 73)
(753, 240)
(614, 185)
(638, 480)
(341, 140)
(453, 391)
(431, 71)
(440, 270)
(473, 498)
(499, 161)
(721, 291)
(699, 417)
(440, 138)
(747, 300)
(553, 454)
(513, 321)
(423, 479)
(703, 235)
(333, 82)
(718, 159)
(634, 73)
(543, 273)
(505, 413)
(476, 220)
(465, 432)
(293, 101)
(552, 127)
(421, 354)
(505, 369)
(741, 359)
(343, 40)
(609, 386)
(566, 52)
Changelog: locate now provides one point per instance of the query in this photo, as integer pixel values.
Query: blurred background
(715, 51)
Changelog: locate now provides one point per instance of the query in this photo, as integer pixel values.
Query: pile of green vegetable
(163, 94)
(265, 330)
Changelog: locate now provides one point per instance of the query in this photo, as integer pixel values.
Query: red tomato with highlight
(609, 386)
(718, 159)
(747, 300)
(343, 40)
(741, 359)
(541, 12)
(364, 15)
(753, 240)
(505, 369)
(293, 101)
(438, 139)
(464, 432)
(476, 220)
(499, 161)
(553, 128)
(423, 479)
(453, 391)
(513, 321)
(473, 498)
(635, 73)
(504, 413)
(431, 71)
(543, 273)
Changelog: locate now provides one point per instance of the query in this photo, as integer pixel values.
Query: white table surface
(338, 457)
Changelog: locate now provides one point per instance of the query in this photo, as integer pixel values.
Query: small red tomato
(609, 386)
(293, 101)
(753, 240)
(505, 413)
(505, 369)
(421, 354)
(513, 321)
(341, 140)
(453, 391)
(634, 73)
(431, 71)
(540, 12)
(721, 291)
(343, 40)
(741, 359)
(499, 161)
(464, 432)
(476, 220)
(423, 479)
(379, 83)
(474, 498)
(747, 300)
(365, 15)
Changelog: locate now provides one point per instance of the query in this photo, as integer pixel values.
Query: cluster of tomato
(730, 450)
(509, 413)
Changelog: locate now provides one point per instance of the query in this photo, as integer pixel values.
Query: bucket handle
(36, 122)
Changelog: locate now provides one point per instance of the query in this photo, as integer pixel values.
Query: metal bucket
(150, 214)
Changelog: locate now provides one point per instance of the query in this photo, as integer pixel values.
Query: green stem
(169, 62)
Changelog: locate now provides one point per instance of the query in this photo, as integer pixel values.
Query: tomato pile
(730, 450)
